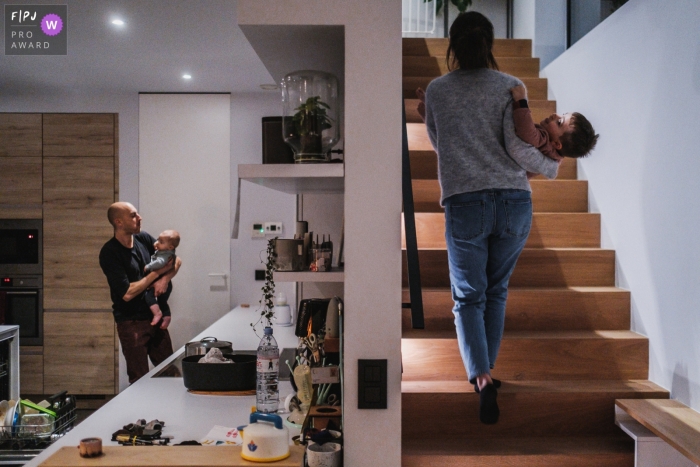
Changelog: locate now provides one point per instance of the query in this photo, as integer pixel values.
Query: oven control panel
(20, 281)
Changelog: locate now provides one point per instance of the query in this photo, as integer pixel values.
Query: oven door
(20, 246)
(24, 308)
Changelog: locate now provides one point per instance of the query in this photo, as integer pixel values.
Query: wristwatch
(522, 103)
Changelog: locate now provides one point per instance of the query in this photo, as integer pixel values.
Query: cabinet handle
(218, 274)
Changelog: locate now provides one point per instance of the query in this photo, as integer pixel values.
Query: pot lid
(210, 343)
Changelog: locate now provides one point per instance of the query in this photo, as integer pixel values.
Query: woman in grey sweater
(482, 168)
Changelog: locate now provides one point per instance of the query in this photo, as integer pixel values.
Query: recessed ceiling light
(269, 87)
(186, 76)
(118, 22)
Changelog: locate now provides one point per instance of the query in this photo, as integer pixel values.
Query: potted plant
(310, 114)
(308, 125)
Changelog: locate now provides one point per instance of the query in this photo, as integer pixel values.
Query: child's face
(163, 243)
(556, 125)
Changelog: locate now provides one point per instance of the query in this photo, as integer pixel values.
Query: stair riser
(547, 195)
(536, 87)
(524, 460)
(424, 167)
(519, 67)
(580, 230)
(536, 414)
(533, 359)
(547, 310)
(540, 110)
(437, 47)
(535, 268)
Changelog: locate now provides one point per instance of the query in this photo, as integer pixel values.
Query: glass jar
(310, 114)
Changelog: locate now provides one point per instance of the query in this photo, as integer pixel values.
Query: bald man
(122, 260)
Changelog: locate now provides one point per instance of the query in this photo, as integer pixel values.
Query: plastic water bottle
(267, 392)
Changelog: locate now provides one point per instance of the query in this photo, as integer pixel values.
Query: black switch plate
(259, 274)
(371, 384)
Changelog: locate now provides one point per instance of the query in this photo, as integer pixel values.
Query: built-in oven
(21, 303)
(21, 246)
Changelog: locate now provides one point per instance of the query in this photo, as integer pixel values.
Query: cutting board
(153, 456)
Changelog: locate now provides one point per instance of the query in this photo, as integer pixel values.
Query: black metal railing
(409, 218)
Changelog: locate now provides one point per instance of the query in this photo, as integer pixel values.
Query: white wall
(637, 78)
(543, 21)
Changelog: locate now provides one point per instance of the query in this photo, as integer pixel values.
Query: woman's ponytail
(471, 41)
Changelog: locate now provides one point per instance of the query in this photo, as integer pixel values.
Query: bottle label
(268, 365)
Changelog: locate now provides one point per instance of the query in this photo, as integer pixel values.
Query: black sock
(488, 407)
(496, 384)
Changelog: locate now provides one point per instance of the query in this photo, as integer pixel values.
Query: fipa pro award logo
(36, 29)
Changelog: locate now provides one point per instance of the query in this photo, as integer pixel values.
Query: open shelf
(296, 178)
(335, 275)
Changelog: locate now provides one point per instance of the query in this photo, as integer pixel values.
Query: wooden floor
(567, 352)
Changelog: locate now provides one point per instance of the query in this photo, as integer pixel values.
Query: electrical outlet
(259, 274)
(258, 231)
(273, 228)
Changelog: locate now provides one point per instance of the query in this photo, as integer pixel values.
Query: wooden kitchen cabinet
(20, 181)
(76, 194)
(21, 135)
(31, 370)
(71, 135)
(79, 352)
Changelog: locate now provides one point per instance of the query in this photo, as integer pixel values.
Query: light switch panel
(371, 382)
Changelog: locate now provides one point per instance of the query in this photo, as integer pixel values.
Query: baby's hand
(519, 92)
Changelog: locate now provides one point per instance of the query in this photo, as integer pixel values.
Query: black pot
(236, 376)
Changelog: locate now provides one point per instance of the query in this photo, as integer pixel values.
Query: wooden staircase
(567, 352)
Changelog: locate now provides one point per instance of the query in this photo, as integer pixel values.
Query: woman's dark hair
(471, 40)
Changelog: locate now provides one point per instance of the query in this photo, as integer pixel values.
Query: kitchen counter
(186, 416)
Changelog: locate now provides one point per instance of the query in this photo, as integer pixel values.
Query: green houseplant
(309, 122)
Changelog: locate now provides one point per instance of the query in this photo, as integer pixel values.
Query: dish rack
(30, 437)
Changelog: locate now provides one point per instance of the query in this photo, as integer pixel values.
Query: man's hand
(165, 323)
(518, 93)
(421, 105)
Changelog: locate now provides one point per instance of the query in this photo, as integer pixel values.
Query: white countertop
(186, 416)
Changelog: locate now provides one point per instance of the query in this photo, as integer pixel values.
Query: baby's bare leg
(157, 314)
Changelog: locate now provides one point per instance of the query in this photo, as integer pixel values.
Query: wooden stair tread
(419, 65)
(419, 46)
(670, 420)
(424, 166)
(617, 451)
(541, 109)
(535, 267)
(536, 87)
(537, 289)
(549, 230)
(643, 387)
(512, 335)
(547, 195)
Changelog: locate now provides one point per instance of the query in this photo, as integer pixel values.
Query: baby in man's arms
(165, 246)
(557, 136)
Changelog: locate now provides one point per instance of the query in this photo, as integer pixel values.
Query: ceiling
(160, 41)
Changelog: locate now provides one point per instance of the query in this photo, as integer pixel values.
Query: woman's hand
(519, 93)
(421, 105)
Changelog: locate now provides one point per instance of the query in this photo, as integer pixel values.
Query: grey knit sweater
(469, 116)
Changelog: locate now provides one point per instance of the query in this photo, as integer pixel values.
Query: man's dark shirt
(123, 266)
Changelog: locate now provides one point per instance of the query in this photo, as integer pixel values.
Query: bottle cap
(281, 298)
(268, 331)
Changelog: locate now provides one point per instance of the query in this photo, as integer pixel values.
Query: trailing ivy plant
(267, 312)
(461, 5)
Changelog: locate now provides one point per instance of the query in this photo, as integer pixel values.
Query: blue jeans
(485, 232)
